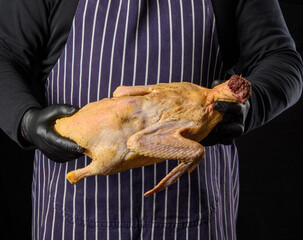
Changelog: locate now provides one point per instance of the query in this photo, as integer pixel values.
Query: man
(108, 43)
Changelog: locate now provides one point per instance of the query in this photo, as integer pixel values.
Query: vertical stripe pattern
(136, 42)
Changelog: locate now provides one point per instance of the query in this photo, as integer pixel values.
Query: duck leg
(164, 140)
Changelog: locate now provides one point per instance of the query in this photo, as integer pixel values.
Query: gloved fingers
(217, 136)
(232, 108)
(62, 146)
(37, 128)
(230, 130)
(232, 124)
(233, 112)
(211, 139)
(66, 109)
(228, 107)
(63, 143)
(47, 132)
(223, 133)
(53, 112)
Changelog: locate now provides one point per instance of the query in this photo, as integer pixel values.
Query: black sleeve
(33, 32)
(32, 35)
(253, 32)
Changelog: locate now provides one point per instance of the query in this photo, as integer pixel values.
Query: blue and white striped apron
(136, 42)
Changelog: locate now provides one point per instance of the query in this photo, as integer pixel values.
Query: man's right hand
(37, 128)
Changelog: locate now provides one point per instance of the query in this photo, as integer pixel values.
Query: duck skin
(143, 125)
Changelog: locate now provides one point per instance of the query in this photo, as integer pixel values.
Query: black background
(271, 174)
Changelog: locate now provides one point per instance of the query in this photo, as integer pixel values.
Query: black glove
(37, 129)
(232, 125)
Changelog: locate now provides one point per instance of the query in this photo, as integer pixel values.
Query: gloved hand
(37, 129)
(232, 125)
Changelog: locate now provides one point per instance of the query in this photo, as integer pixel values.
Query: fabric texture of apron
(136, 42)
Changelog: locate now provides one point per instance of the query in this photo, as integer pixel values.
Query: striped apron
(136, 42)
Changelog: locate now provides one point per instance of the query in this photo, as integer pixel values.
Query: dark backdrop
(271, 174)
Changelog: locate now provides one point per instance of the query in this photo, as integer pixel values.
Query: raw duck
(143, 125)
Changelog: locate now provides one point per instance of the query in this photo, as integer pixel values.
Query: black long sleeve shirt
(252, 35)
